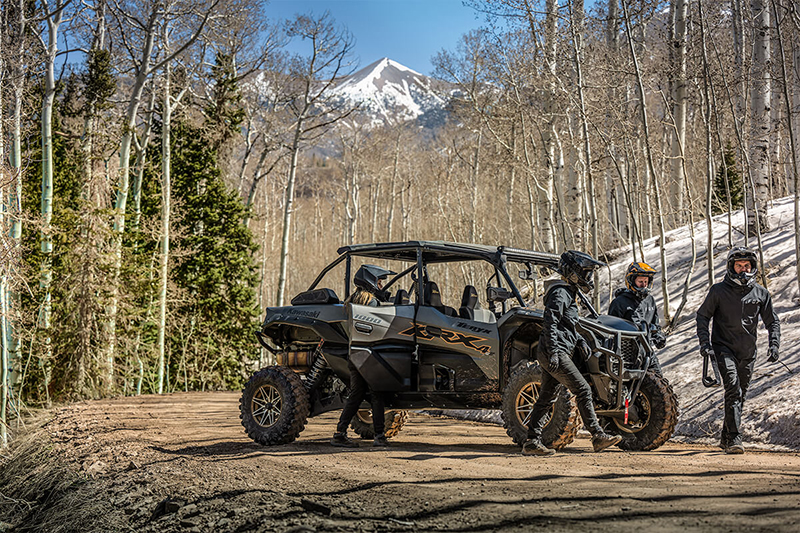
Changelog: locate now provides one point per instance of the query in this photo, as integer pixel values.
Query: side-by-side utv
(421, 353)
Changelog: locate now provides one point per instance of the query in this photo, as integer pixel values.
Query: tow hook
(627, 403)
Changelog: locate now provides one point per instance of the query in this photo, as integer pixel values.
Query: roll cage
(422, 253)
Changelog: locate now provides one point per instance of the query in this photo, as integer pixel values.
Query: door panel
(455, 353)
(381, 355)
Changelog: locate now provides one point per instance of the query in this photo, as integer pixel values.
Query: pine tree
(215, 268)
(729, 173)
(224, 112)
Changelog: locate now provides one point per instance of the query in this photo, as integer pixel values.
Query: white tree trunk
(792, 132)
(475, 179)
(577, 39)
(110, 325)
(393, 189)
(707, 110)
(650, 166)
(4, 359)
(760, 112)
(139, 163)
(166, 191)
(739, 53)
(680, 8)
(15, 196)
(287, 213)
(143, 70)
(53, 20)
(554, 169)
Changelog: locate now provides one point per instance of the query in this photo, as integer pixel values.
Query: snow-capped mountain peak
(388, 91)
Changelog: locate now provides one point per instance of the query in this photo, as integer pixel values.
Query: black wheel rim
(365, 415)
(266, 406)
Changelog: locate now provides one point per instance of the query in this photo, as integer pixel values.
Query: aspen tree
(761, 93)
(706, 111)
(650, 166)
(53, 18)
(792, 140)
(680, 10)
(315, 75)
(143, 67)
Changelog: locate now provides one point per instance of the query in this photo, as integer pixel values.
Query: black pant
(358, 390)
(736, 373)
(566, 373)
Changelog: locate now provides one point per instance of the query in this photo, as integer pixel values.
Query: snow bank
(771, 417)
(772, 409)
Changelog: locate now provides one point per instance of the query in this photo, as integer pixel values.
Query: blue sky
(407, 31)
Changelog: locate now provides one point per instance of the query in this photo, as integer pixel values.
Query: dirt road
(183, 463)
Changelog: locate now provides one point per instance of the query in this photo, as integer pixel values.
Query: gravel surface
(182, 462)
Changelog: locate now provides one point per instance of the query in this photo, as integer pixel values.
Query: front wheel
(393, 421)
(651, 416)
(274, 406)
(518, 398)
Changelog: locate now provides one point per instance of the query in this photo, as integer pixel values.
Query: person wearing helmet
(635, 303)
(369, 291)
(558, 343)
(734, 305)
(369, 285)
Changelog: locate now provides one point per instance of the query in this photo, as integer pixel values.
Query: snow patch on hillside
(772, 409)
(771, 417)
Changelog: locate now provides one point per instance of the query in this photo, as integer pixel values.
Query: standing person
(369, 291)
(636, 304)
(557, 344)
(735, 304)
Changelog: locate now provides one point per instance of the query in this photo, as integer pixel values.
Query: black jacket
(626, 305)
(560, 318)
(735, 310)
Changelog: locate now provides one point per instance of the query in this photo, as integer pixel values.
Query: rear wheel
(274, 406)
(393, 420)
(651, 416)
(518, 398)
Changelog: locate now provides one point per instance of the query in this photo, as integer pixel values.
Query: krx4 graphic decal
(450, 337)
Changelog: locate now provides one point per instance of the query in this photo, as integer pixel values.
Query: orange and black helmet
(636, 270)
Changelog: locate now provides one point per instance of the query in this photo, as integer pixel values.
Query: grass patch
(40, 492)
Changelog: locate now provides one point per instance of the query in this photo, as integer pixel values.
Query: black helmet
(636, 270)
(577, 268)
(367, 277)
(740, 253)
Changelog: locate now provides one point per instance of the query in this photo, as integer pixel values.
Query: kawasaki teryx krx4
(421, 353)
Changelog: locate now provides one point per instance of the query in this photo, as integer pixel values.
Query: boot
(380, 441)
(535, 447)
(341, 440)
(735, 449)
(734, 446)
(602, 440)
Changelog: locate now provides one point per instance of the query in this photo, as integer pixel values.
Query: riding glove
(772, 354)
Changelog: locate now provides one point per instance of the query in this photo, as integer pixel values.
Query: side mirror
(498, 294)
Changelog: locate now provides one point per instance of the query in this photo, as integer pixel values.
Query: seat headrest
(401, 298)
(470, 297)
(432, 295)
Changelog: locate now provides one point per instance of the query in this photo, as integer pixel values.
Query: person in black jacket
(636, 304)
(557, 344)
(735, 305)
(369, 291)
